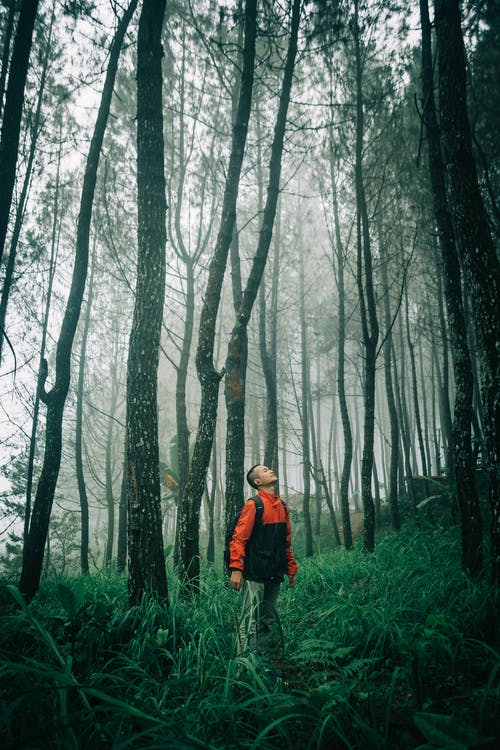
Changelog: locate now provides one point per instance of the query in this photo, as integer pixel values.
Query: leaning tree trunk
(367, 306)
(474, 243)
(11, 123)
(8, 29)
(146, 571)
(21, 204)
(238, 343)
(460, 448)
(208, 376)
(56, 397)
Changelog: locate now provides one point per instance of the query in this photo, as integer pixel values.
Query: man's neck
(270, 489)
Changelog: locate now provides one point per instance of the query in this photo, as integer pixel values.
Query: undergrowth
(397, 649)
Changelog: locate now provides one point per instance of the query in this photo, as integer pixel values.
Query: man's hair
(250, 476)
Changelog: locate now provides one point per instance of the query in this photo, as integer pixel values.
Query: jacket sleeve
(292, 566)
(242, 534)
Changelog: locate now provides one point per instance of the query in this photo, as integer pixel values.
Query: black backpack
(259, 510)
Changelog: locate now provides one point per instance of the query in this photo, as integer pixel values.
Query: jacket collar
(272, 496)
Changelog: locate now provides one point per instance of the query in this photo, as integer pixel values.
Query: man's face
(263, 476)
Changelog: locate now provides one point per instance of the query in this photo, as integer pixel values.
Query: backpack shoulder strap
(259, 508)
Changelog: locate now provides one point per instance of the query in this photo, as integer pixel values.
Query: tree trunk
(11, 123)
(315, 458)
(110, 500)
(391, 403)
(284, 482)
(367, 304)
(413, 371)
(237, 349)
(80, 478)
(425, 415)
(329, 503)
(211, 506)
(444, 391)
(404, 420)
(341, 333)
(54, 248)
(9, 28)
(306, 459)
(190, 259)
(146, 571)
(477, 254)
(436, 442)
(462, 450)
(355, 461)
(56, 397)
(208, 376)
(183, 433)
(268, 356)
(35, 132)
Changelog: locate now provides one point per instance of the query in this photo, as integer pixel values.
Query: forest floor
(396, 650)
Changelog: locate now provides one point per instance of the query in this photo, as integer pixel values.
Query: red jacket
(274, 512)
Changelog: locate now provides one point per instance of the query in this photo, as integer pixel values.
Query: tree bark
(146, 571)
(11, 123)
(477, 254)
(471, 526)
(55, 399)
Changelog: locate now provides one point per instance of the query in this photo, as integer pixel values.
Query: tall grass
(397, 649)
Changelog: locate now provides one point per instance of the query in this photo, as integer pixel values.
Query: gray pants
(257, 614)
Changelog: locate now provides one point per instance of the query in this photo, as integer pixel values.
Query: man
(260, 556)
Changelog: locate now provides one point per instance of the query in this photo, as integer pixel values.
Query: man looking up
(260, 556)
